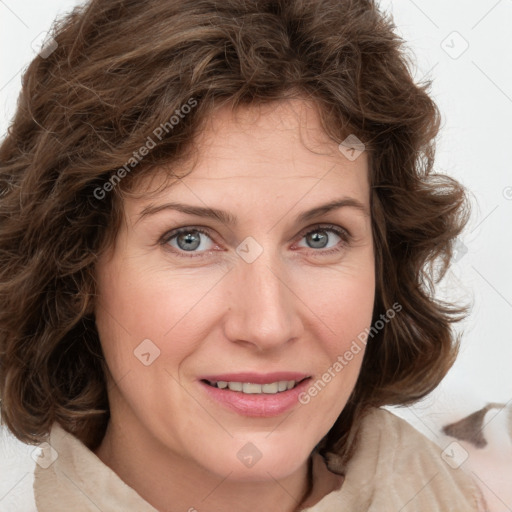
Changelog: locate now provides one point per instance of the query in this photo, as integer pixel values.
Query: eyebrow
(230, 219)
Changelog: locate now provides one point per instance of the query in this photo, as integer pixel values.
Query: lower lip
(261, 405)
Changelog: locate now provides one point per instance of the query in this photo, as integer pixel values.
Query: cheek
(343, 303)
(136, 304)
(128, 313)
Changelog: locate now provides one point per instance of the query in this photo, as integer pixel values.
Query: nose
(264, 311)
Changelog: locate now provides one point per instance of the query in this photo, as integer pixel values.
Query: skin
(294, 308)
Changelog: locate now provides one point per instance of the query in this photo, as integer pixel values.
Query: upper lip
(256, 378)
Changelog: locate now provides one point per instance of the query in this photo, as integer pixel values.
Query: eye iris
(318, 237)
(188, 238)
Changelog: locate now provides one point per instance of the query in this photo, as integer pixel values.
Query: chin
(247, 461)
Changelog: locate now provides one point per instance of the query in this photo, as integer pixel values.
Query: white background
(474, 92)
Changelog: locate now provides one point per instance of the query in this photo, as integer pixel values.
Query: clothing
(394, 468)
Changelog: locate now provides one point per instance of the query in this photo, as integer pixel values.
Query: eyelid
(339, 230)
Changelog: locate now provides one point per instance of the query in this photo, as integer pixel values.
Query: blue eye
(187, 241)
(319, 238)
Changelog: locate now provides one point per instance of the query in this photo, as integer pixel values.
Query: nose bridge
(263, 309)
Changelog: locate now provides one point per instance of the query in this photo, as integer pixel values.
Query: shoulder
(395, 467)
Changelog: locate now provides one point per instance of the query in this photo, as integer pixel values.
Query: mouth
(256, 395)
(253, 388)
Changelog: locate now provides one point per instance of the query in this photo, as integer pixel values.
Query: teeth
(270, 388)
(235, 386)
(251, 388)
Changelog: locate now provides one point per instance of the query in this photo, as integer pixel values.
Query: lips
(255, 395)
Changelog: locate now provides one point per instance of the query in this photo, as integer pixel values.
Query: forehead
(271, 150)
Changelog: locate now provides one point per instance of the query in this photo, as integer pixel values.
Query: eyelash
(342, 233)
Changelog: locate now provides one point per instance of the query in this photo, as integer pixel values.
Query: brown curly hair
(120, 69)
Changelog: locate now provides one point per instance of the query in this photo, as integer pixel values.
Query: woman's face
(257, 300)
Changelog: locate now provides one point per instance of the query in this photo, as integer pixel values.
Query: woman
(218, 248)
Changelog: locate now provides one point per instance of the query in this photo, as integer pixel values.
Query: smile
(273, 395)
(251, 388)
